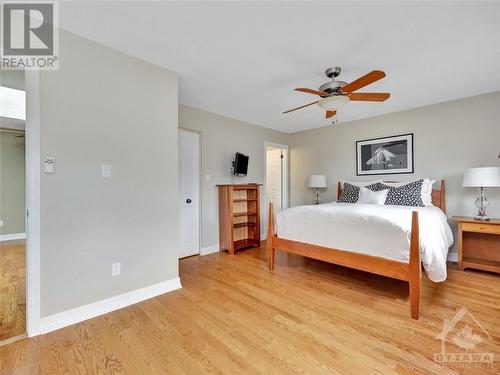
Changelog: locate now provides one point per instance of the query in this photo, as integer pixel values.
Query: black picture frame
(385, 155)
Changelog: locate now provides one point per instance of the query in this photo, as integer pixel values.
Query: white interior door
(275, 177)
(189, 193)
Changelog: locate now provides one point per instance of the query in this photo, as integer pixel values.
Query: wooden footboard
(410, 272)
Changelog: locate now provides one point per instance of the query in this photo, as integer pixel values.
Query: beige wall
(12, 183)
(12, 78)
(448, 138)
(104, 107)
(221, 137)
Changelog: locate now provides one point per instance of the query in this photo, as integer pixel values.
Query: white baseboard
(209, 250)
(452, 256)
(79, 314)
(12, 237)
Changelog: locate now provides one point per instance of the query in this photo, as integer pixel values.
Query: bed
(392, 241)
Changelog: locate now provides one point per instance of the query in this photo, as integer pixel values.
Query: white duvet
(377, 230)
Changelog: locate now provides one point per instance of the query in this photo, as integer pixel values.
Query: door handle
(188, 200)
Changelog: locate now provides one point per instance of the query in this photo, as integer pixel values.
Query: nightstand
(478, 244)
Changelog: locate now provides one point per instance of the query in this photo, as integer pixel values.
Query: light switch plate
(49, 164)
(106, 170)
(116, 269)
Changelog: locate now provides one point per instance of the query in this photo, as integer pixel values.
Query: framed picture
(388, 155)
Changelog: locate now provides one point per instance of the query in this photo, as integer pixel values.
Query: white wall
(12, 165)
(12, 184)
(448, 138)
(221, 137)
(104, 107)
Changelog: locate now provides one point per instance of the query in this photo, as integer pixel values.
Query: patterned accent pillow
(405, 195)
(350, 193)
(378, 186)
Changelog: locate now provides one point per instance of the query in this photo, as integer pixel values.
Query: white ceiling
(243, 59)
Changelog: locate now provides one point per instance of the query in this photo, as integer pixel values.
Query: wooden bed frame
(410, 272)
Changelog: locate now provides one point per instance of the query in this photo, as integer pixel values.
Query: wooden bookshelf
(239, 216)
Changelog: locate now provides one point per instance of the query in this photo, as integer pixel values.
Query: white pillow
(368, 196)
(426, 189)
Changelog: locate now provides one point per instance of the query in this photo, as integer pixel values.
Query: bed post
(414, 267)
(339, 190)
(270, 235)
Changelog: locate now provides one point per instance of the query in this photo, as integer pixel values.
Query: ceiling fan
(335, 93)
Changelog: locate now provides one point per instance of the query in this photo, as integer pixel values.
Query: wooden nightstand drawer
(478, 244)
(481, 228)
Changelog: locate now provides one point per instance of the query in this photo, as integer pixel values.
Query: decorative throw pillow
(378, 186)
(426, 189)
(359, 183)
(368, 196)
(405, 195)
(350, 193)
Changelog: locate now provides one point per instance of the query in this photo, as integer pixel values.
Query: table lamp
(317, 181)
(481, 178)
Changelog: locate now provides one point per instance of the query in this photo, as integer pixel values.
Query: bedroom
(106, 291)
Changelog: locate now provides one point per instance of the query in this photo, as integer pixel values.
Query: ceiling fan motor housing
(333, 87)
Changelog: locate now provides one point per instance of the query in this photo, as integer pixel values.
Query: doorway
(12, 206)
(276, 175)
(189, 193)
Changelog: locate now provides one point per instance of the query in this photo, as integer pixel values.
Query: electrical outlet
(116, 269)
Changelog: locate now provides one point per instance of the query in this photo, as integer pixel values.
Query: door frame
(286, 195)
(200, 187)
(33, 177)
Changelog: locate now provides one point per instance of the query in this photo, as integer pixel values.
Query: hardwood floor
(233, 316)
(12, 289)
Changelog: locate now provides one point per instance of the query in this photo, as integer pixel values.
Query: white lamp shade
(482, 177)
(317, 181)
(333, 102)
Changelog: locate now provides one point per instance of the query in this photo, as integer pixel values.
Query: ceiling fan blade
(311, 91)
(369, 96)
(367, 79)
(330, 114)
(302, 106)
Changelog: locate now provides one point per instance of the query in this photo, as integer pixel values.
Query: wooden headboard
(438, 195)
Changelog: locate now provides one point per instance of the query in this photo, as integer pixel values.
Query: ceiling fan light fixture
(333, 102)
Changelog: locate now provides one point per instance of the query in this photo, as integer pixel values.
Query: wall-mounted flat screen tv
(240, 164)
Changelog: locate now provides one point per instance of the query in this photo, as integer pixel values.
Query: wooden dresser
(239, 216)
(478, 244)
